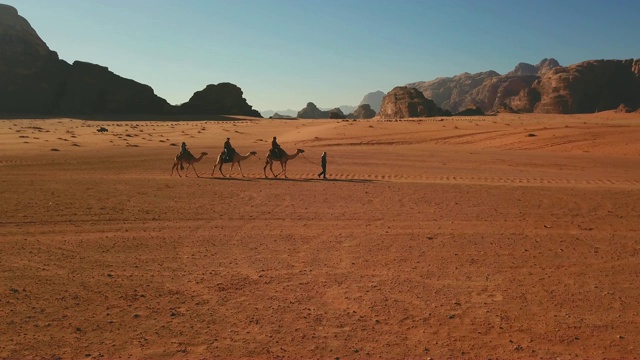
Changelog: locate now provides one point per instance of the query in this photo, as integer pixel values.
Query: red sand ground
(457, 237)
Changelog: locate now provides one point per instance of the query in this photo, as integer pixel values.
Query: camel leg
(194, 170)
(177, 167)
(266, 163)
(214, 168)
(240, 167)
(284, 169)
(186, 171)
(271, 168)
(281, 169)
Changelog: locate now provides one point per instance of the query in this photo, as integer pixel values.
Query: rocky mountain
(223, 98)
(364, 111)
(336, 113)
(311, 111)
(544, 66)
(451, 92)
(36, 82)
(586, 87)
(488, 89)
(408, 102)
(272, 113)
(374, 99)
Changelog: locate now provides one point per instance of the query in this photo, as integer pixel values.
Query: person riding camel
(276, 150)
(229, 151)
(184, 150)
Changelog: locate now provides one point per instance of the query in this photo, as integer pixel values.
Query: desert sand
(509, 236)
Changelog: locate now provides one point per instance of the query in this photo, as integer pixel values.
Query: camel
(188, 159)
(283, 162)
(236, 160)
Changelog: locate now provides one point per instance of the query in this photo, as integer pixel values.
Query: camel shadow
(345, 180)
(364, 181)
(227, 178)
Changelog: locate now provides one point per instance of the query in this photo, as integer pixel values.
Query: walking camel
(189, 159)
(283, 162)
(237, 158)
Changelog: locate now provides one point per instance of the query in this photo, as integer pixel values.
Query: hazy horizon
(284, 54)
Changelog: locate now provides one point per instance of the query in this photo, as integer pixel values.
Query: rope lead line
(310, 160)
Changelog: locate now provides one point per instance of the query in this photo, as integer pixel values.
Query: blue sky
(285, 53)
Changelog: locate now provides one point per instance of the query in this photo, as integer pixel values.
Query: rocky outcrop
(452, 92)
(589, 86)
(280, 116)
(336, 113)
(544, 66)
(311, 111)
(408, 102)
(489, 90)
(34, 81)
(497, 90)
(221, 99)
(93, 89)
(31, 75)
(472, 111)
(374, 99)
(364, 111)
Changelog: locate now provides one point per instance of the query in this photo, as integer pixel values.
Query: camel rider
(276, 150)
(229, 151)
(184, 150)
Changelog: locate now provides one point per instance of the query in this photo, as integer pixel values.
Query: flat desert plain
(509, 236)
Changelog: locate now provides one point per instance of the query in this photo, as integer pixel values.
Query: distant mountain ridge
(374, 99)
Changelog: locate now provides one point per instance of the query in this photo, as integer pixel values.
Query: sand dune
(510, 236)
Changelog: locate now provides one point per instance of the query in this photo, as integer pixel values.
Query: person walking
(323, 163)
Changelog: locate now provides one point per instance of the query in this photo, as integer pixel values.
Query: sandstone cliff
(589, 86)
(408, 102)
(488, 90)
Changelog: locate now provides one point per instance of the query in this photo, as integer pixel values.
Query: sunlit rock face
(408, 102)
(589, 86)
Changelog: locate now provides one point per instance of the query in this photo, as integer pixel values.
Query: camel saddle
(276, 154)
(230, 153)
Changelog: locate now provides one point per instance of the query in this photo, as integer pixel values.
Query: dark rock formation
(31, 75)
(589, 86)
(221, 99)
(93, 89)
(311, 111)
(374, 99)
(364, 111)
(34, 81)
(336, 114)
(408, 102)
(280, 116)
(472, 111)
